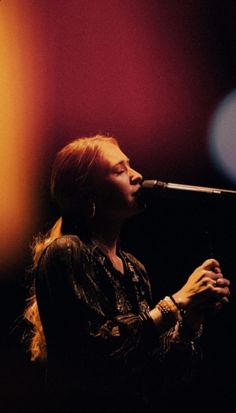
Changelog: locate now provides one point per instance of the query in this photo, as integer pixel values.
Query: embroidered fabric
(96, 321)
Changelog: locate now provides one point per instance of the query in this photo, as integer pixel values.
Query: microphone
(152, 187)
(154, 184)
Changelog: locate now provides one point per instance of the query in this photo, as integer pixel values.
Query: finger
(209, 281)
(210, 284)
(222, 282)
(217, 270)
(211, 275)
(222, 292)
(210, 263)
(219, 275)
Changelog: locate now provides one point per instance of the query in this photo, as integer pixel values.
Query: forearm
(169, 314)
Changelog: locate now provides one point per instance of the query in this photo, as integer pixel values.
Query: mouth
(136, 193)
(139, 199)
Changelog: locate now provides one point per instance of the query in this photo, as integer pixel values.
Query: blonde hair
(71, 188)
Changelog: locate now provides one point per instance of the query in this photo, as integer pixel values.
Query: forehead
(112, 154)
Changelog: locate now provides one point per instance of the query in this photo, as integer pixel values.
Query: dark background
(151, 73)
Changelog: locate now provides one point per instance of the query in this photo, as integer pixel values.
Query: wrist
(175, 300)
(165, 314)
(190, 318)
(180, 301)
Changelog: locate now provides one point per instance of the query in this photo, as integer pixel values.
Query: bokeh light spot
(222, 136)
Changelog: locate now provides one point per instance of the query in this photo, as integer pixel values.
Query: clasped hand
(205, 289)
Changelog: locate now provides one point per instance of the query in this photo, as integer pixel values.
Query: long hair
(72, 189)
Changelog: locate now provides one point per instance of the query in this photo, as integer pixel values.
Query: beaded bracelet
(185, 333)
(168, 311)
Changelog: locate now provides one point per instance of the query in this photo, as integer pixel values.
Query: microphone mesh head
(149, 183)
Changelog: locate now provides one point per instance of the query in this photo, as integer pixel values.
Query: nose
(135, 177)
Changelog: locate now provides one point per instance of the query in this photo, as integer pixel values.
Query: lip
(137, 191)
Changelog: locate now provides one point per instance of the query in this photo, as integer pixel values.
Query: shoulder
(65, 242)
(61, 249)
(60, 260)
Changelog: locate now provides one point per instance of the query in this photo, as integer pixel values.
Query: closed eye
(121, 167)
(120, 172)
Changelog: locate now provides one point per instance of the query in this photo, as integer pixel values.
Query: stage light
(222, 136)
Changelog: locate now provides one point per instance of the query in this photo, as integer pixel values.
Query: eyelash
(120, 172)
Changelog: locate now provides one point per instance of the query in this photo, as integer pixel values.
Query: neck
(107, 236)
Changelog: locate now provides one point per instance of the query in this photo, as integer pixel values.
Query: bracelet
(168, 311)
(186, 334)
(181, 310)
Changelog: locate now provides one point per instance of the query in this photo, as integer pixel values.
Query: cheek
(114, 193)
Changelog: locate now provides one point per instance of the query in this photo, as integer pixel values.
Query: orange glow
(19, 123)
(73, 70)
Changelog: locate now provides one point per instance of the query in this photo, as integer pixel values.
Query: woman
(104, 342)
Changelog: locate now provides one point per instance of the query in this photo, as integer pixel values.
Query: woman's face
(116, 185)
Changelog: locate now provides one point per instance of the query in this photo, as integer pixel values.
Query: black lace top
(99, 335)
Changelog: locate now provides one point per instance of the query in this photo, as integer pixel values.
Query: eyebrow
(124, 161)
